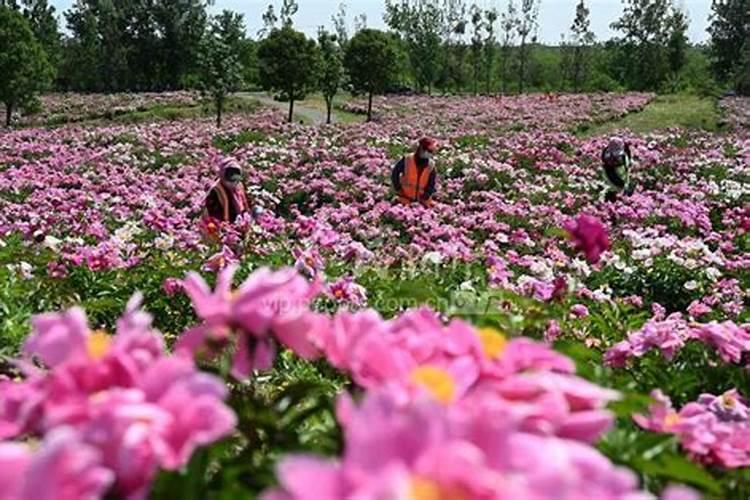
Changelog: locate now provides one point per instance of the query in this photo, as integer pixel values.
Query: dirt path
(309, 114)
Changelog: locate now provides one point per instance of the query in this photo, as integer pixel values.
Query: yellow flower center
(338, 293)
(671, 420)
(98, 344)
(436, 381)
(493, 342)
(728, 400)
(426, 489)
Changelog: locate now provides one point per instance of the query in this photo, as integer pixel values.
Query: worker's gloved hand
(257, 211)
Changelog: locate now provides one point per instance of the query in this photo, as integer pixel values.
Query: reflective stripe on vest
(413, 185)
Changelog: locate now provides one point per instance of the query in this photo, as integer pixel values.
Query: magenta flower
(138, 408)
(714, 430)
(589, 236)
(425, 450)
(268, 307)
(731, 340)
(62, 469)
(171, 286)
(552, 331)
(579, 311)
(345, 290)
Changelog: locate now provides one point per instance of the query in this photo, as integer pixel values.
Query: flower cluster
(110, 410)
(423, 450)
(714, 430)
(669, 335)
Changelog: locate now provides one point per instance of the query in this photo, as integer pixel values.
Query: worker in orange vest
(226, 200)
(414, 176)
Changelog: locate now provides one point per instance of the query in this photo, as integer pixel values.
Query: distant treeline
(433, 46)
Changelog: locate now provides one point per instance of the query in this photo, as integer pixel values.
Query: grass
(233, 104)
(667, 111)
(340, 116)
(317, 102)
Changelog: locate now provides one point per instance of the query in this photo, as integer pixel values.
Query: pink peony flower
(171, 286)
(268, 307)
(579, 311)
(62, 469)
(588, 235)
(345, 290)
(427, 450)
(122, 395)
(731, 340)
(552, 331)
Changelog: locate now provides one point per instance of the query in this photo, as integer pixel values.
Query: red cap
(428, 144)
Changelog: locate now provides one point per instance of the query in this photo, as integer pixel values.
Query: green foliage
(653, 41)
(742, 73)
(220, 68)
(730, 30)
(130, 45)
(289, 64)
(421, 24)
(229, 143)
(577, 51)
(331, 69)
(370, 58)
(24, 70)
(666, 111)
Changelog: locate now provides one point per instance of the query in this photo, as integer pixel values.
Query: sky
(555, 16)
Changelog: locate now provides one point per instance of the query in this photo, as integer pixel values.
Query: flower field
(522, 339)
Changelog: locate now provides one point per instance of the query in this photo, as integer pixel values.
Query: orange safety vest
(413, 185)
(224, 199)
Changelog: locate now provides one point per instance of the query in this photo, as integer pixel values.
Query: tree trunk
(8, 113)
(369, 108)
(329, 105)
(291, 109)
(219, 109)
(522, 64)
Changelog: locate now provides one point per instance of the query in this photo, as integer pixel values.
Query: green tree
(477, 25)
(647, 27)
(677, 43)
(269, 21)
(132, 44)
(730, 29)
(577, 51)
(370, 60)
(288, 9)
(339, 26)
(24, 70)
(331, 68)
(41, 17)
(742, 72)
(420, 24)
(288, 63)
(219, 59)
(179, 26)
(490, 17)
(508, 24)
(526, 27)
(454, 26)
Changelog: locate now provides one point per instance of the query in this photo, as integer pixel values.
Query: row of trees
(447, 45)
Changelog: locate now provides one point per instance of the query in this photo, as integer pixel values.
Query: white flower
(580, 266)
(691, 285)
(466, 285)
(641, 254)
(52, 243)
(432, 258)
(712, 273)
